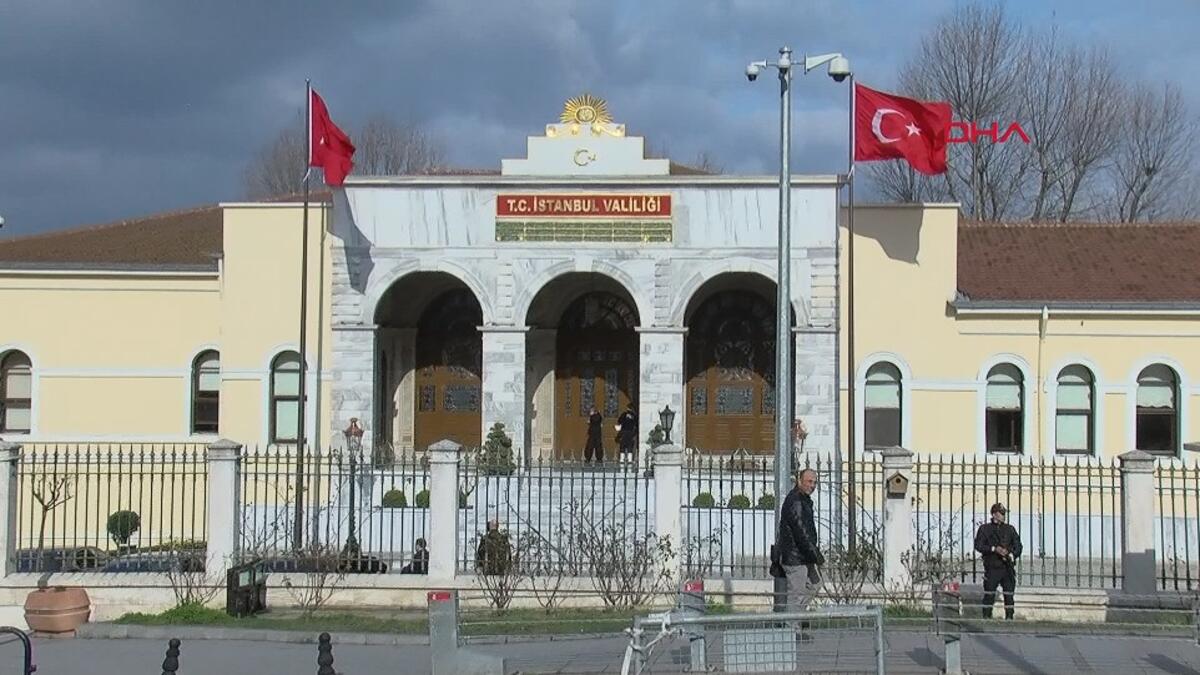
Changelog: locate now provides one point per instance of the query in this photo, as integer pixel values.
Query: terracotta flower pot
(57, 609)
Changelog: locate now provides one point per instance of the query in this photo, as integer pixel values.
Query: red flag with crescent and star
(893, 127)
(329, 147)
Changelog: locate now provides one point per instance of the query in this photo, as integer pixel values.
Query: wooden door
(449, 367)
(731, 367)
(596, 364)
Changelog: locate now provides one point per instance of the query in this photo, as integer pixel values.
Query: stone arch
(641, 301)
(379, 286)
(711, 270)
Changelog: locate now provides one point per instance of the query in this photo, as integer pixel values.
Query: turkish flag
(330, 147)
(894, 127)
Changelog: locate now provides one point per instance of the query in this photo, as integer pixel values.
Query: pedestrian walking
(1000, 545)
(796, 543)
(594, 448)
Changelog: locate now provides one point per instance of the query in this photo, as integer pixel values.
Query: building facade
(585, 275)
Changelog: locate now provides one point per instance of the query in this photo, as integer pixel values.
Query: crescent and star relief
(877, 124)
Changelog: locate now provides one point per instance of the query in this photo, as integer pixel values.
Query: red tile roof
(1076, 262)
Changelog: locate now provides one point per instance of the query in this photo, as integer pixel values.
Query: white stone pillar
(353, 371)
(10, 454)
(660, 383)
(897, 517)
(816, 391)
(224, 503)
(1138, 570)
(504, 384)
(668, 488)
(539, 379)
(443, 511)
(404, 398)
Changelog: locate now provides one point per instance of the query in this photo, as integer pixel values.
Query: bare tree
(1154, 152)
(1089, 137)
(50, 492)
(383, 147)
(972, 60)
(278, 168)
(1049, 67)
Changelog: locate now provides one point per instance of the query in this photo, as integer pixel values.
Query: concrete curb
(113, 631)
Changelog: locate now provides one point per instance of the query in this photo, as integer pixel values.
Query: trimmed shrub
(704, 500)
(422, 499)
(739, 502)
(122, 525)
(495, 458)
(394, 499)
(766, 502)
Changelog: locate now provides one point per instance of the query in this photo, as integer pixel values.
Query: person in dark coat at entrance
(627, 434)
(595, 443)
(796, 543)
(1000, 546)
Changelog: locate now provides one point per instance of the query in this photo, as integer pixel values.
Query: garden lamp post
(354, 434)
(666, 418)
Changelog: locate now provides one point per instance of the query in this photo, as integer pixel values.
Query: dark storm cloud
(117, 108)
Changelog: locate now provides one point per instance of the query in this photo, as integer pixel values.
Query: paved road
(908, 652)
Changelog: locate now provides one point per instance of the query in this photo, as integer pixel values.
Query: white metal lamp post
(839, 69)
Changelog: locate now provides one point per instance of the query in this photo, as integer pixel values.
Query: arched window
(1074, 430)
(1005, 425)
(285, 397)
(16, 393)
(206, 392)
(881, 407)
(1158, 410)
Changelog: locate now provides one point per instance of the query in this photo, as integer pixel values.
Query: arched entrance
(428, 363)
(730, 358)
(595, 341)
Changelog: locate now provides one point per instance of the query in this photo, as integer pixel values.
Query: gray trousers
(803, 583)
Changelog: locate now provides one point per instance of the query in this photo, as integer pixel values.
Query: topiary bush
(394, 499)
(704, 500)
(122, 525)
(767, 501)
(422, 499)
(495, 458)
(739, 502)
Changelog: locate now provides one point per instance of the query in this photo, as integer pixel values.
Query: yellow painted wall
(905, 278)
(112, 351)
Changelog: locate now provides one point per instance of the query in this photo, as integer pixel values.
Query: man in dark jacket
(1000, 546)
(796, 543)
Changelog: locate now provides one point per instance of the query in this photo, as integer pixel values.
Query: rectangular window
(1156, 429)
(881, 427)
(1004, 430)
(1073, 432)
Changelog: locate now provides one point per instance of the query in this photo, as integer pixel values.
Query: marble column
(539, 376)
(660, 384)
(504, 383)
(816, 393)
(353, 373)
(403, 396)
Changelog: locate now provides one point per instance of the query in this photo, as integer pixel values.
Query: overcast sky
(119, 108)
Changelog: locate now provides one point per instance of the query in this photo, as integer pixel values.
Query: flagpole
(852, 417)
(298, 525)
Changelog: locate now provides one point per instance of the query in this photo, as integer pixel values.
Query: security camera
(839, 68)
(752, 71)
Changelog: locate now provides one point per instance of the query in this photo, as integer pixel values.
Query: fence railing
(351, 515)
(729, 513)
(561, 518)
(1066, 511)
(110, 508)
(1177, 537)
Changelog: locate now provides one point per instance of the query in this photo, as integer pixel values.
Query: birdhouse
(897, 486)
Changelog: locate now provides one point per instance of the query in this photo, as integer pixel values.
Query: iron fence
(110, 507)
(1067, 512)
(552, 517)
(729, 514)
(351, 515)
(1177, 535)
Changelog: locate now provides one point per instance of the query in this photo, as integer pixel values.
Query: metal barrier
(28, 667)
(768, 642)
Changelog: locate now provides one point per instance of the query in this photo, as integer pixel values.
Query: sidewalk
(908, 652)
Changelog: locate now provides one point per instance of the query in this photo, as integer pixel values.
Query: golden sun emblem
(586, 109)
